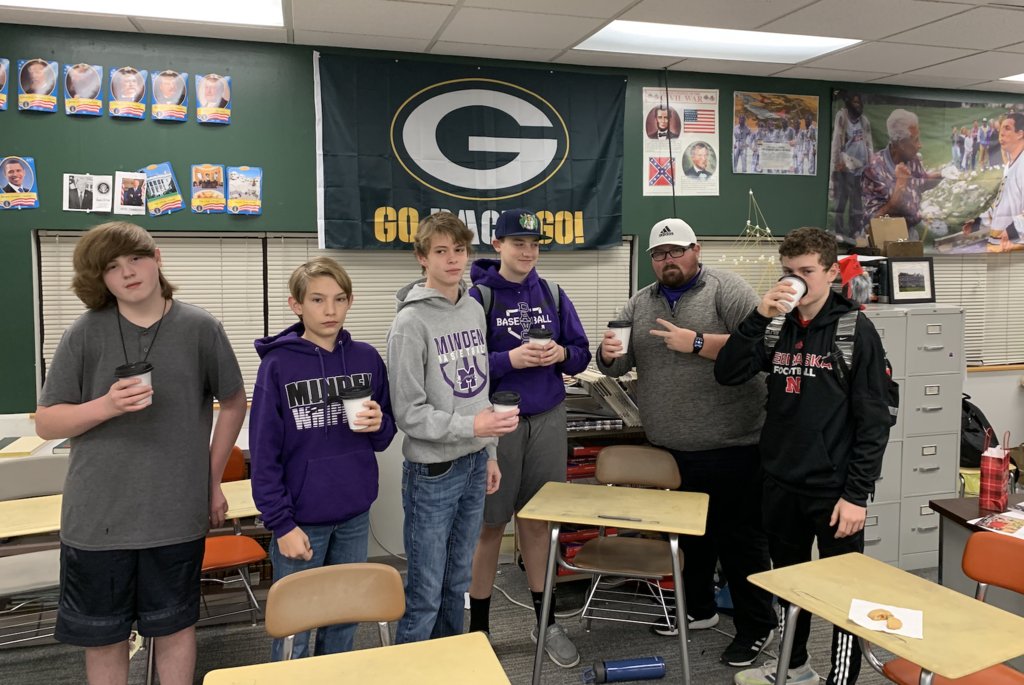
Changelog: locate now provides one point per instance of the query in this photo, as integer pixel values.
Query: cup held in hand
(622, 330)
(352, 399)
(505, 400)
(798, 284)
(141, 370)
(539, 337)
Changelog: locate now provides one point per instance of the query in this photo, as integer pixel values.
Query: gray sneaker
(559, 647)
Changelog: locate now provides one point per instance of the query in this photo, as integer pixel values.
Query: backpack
(842, 356)
(550, 287)
(973, 425)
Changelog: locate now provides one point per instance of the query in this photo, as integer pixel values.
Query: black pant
(848, 193)
(793, 522)
(731, 478)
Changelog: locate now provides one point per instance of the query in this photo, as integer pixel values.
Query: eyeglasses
(674, 253)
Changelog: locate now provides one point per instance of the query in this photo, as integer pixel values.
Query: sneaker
(559, 647)
(670, 630)
(743, 651)
(765, 675)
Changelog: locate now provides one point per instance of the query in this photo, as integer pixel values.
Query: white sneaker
(765, 675)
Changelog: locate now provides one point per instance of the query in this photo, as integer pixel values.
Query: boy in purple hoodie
(313, 478)
(535, 453)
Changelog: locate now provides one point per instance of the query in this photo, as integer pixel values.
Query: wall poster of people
(774, 133)
(213, 99)
(130, 197)
(37, 85)
(163, 194)
(680, 137)
(245, 190)
(208, 189)
(128, 93)
(18, 187)
(951, 169)
(169, 95)
(5, 68)
(88, 193)
(83, 90)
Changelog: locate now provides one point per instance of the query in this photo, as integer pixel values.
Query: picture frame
(911, 280)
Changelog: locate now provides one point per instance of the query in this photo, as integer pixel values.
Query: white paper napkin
(912, 619)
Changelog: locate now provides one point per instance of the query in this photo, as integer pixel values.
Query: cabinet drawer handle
(927, 469)
(932, 348)
(925, 529)
(929, 409)
(872, 541)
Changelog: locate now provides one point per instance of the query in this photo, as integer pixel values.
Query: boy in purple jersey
(516, 300)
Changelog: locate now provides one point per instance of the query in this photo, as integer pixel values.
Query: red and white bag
(995, 475)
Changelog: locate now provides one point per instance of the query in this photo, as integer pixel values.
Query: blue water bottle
(621, 670)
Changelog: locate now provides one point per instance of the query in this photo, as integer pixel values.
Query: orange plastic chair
(990, 559)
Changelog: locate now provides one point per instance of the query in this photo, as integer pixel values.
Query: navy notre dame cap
(519, 222)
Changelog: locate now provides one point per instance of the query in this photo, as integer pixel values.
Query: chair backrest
(235, 468)
(342, 593)
(995, 559)
(637, 465)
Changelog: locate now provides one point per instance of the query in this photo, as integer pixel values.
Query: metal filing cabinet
(924, 343)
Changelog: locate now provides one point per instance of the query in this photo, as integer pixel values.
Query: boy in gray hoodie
(437, 359)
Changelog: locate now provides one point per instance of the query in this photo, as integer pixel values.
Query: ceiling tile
(832, 74)
(999, 86)
(361, 41)
(494, 51)
(169, 27)
(728, 66)
(927, 81)
(616, 59)
(604, 9)
(374, 17)
(1016, 48)
(520, 29)
(872, 19)
(723, 14)
(983, 66)
(985, 26)
(97, 22)
(887, 57)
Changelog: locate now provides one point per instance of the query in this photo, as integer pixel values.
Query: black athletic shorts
(103, 592)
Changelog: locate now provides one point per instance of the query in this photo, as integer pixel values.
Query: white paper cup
(504, 401)
(800, 285)
(352, 399)
(539, 337)
(141, 370)
(622, 330)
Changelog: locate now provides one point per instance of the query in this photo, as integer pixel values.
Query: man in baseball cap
(517, 222)
(680, 322)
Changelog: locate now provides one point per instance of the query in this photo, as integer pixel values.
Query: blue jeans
(343, 543)
(443, 515)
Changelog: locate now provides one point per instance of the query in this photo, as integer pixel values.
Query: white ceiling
(955, 44)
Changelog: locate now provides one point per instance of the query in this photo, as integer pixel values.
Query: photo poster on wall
(87, 193)
(37, 85)
(128, 93)
(163, 194)
(245, 190)
(169, 95)
(680, 141)
(130, 193)
(213, 99)
(208, 189)
(83, 90)
(18, 188)
(5, 67)
(773, 133)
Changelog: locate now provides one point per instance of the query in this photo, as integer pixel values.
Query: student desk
(961, 634)
(460, 660)
(674, 513)
(37, 515)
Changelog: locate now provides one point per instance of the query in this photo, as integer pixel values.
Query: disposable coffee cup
(140, 370)
(622, 331)
(539, 336)
(800, 285)
(505, 400)
(352, 399)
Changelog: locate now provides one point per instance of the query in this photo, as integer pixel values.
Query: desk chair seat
(628, 556)
(234, 552)
(342, 593)
(990, 559)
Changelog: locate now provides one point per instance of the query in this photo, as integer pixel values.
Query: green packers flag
(401, 139)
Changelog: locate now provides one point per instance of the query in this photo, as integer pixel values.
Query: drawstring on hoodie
(324, 388)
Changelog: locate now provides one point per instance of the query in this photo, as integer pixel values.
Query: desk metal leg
(681, 619)
(926, 678)
(782, 673)
(549, 582)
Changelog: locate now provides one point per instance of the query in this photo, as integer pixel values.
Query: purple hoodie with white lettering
(308, 466)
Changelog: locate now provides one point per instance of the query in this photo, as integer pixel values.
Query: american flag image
(90, 107)
(698, 121)
(215, 115)
(243, 207)
(37, 103)
(131, 110)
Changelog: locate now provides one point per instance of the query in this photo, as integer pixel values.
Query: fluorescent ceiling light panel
(238, 12)
(1018, 77)
(672, 40)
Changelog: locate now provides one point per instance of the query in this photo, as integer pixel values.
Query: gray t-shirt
(142, 480)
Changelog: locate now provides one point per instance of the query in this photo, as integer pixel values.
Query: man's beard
(672, 277)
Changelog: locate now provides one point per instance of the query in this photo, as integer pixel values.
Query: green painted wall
(272, 127)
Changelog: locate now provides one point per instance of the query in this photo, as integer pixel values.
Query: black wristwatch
(698, 343)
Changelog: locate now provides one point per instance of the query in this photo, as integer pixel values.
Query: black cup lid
(622, 323)
(506, 397)
(356, 392)
(133, 369)
(538, 333)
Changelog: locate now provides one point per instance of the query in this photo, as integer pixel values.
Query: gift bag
(995, 474)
